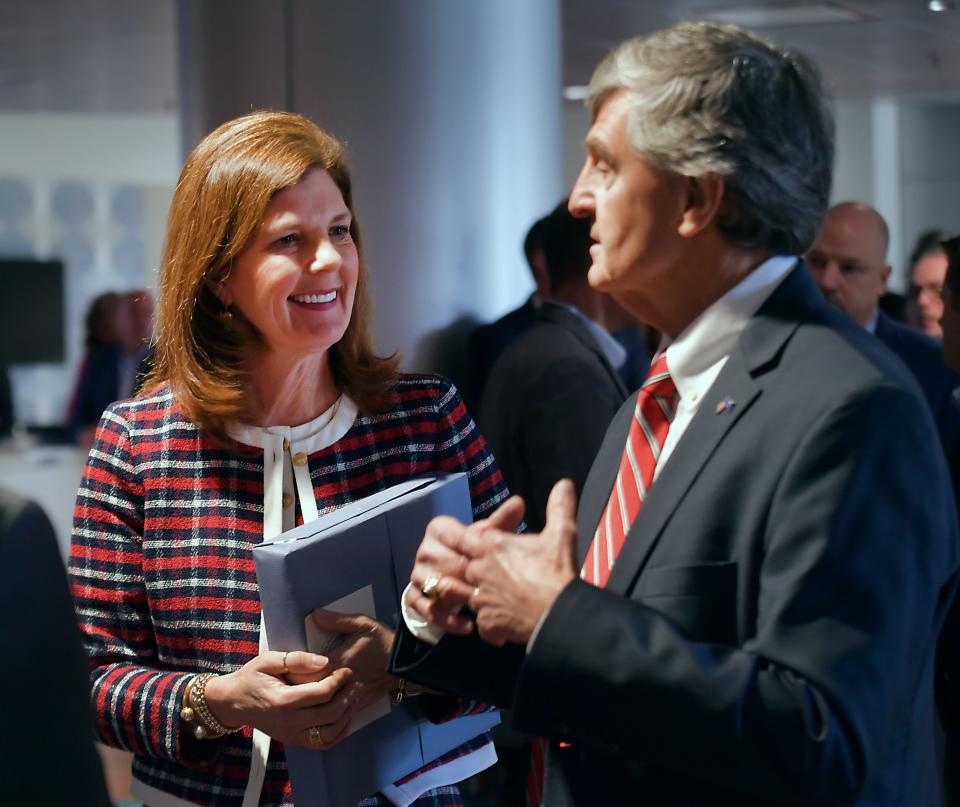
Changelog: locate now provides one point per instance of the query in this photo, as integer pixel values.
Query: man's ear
(704, 198)
(884, 277)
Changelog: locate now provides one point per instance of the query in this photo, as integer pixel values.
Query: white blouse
(286, 474)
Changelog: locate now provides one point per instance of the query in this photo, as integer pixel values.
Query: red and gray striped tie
(652, 416)
(656, 406)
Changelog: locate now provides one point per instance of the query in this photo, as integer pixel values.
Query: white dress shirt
(612, 350)
(698, 354)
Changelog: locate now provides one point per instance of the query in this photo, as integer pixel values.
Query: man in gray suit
(763, 630)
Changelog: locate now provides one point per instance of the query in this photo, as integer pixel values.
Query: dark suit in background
(100, 385)
(47, 754)
(924, 357)
(6, 402)
(546, 406)
(487, 342)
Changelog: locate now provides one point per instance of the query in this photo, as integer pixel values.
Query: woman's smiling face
(296, 279)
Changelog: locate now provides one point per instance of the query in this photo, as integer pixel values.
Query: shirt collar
(317, 434)
(612, 350)
(709, 339)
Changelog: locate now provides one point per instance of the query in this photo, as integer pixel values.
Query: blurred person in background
(553, 391)
(950, 296)
(135, 330)
(6, 403)
(100, 333)
(47, 754)
(487, 342)
(266, 406)
(948, 656)
(928, 267)
(848, 261)
(119, 328)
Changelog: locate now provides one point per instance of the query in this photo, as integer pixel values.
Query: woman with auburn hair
(266, 407)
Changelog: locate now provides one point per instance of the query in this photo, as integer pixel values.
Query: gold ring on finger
(284, 660)
(316, 736)
(429, 587)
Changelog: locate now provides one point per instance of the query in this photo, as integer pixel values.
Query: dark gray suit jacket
(47, 754)
(546, 407)
(767, 634)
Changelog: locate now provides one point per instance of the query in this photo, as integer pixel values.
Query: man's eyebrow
(598, 148)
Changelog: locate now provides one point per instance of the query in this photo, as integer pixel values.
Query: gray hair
(709, 98)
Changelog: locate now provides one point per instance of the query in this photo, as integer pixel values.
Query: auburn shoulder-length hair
(219, 203)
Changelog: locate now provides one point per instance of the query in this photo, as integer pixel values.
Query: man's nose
(581, 203)
(829, 277)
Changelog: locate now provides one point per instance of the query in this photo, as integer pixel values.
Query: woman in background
(265, 408)
(100, 334)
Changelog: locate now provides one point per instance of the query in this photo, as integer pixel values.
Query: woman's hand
(285, 695)
(364, 650)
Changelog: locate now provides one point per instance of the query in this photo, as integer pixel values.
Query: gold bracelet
(186, 710)
(195, 705)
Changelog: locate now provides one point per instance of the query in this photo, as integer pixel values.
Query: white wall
(901, 157)
(867, 166)
(576, 124)
(930, 174)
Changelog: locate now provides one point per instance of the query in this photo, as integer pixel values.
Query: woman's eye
(341, 232)
(287, 240)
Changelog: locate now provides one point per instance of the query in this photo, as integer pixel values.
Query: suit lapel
(701, 438)
(750, 367)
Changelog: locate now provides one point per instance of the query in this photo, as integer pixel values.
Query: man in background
(928, 267)
(553, 391)
(6, 403)
(848, 261)
(948, 657)
(114, 372)
(488, 341)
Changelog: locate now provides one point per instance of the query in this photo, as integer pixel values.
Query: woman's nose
(325, 257)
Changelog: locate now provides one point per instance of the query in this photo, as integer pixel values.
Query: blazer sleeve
(459, 665)
(136, 703)
(461, 448)
(849, 592)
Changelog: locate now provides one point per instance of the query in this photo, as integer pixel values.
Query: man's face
(926, 286)
(636, 209)
(950, 327)
(848, 262)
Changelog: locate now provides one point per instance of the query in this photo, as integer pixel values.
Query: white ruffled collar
(286, 469)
